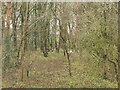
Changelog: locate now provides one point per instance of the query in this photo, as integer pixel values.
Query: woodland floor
(52, 72)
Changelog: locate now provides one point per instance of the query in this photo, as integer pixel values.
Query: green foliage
(88, 30)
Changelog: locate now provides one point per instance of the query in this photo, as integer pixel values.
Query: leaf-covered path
(52, 72)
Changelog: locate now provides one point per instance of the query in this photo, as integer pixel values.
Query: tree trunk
(24, 39)
(7, 33)
(14, 27)
(69, 62)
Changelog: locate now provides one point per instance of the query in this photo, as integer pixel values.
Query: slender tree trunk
(7, 33)
(105, 67)
(69, 62)
(24, 42)
(14, 27)
(35, 32)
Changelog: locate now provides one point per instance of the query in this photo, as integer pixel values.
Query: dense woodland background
(63, 44)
